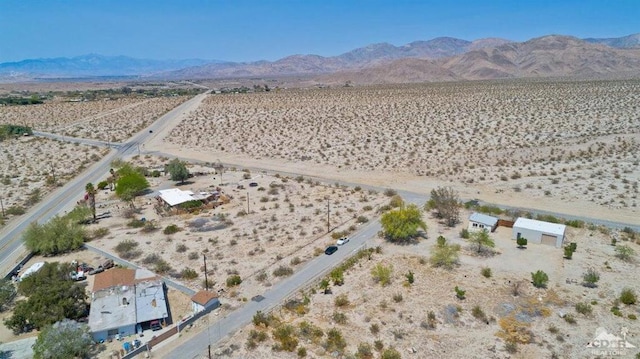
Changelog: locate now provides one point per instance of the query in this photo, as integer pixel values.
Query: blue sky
(238, 30)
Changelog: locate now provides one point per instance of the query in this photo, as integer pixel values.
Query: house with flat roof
(539, 231)
(175, 196)
(124, 301)
(479, 222)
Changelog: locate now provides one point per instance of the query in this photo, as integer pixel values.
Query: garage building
(539, 232)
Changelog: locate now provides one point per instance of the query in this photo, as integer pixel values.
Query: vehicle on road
(330, 250)
(253, 184)
(342, 241)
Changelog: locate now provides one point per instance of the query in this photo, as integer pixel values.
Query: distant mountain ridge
(438, 59)
(93, 65)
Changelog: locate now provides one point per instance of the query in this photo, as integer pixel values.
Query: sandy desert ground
(568, 147)
(29, 166)
(286, 225)
(573, 141)
(108, 120)
(397, 315)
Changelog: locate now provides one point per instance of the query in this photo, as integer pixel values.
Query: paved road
(83, 141)
(64, 199)
(196, 347)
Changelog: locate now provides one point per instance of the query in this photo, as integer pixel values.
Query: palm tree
(91, 194)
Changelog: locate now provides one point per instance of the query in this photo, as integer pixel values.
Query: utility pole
(2, 206)
(209, 351)
(247, 202)
(328, 223)
(53, 173)
(206, 281)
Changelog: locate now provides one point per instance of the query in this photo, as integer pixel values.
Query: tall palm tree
(91, 194)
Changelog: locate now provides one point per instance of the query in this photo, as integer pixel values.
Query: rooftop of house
(483, 219)
(203, 297)
(113, 310)
(540, 226)
(151, 302)
(114, 277)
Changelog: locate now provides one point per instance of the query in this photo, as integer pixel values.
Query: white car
(343, 240)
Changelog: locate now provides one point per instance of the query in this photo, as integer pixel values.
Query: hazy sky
(239, 30)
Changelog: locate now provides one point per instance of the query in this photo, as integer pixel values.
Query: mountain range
(439, 59)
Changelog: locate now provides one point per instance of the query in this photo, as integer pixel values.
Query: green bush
(102, 185)
(522, 242)
(568, 252)
(136, 223)
(341, 301)
(628, 296)
(282, 271)
(486, 272)
(464, 233)
(382, 274)
(460, 294)
(625, 252)
(539, 279)
(171, 229)
(590, 278)
(234, 280)
(162, 267)
(189, 274)
(584, 308)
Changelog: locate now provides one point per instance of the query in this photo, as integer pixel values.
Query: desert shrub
(100, 232)
(628, 296)
(410, 277)
(575, 223)
(261, 277)
(302, 352)
(584, 308)
(382, 274)
(309, 331)
(396, 201)
(282, 271)
(570, 319)
(151, 258)
(397, 297)
(162, 267)
(513, 330)
(295, 261)
(362, 219)
(193, 255)
(391, 353)
(126, 249)
(285, 336)
(261, 319)
(189, 274)
(632, 316)
(539, 279)
(181, 248)
(464, 233)
(365, 351)
(171, 229)
(568, 252)
(590, 278)
(341, 301)
(478, 313)
(522, 242)
(149, 226)
(335, 341)
(378, 345)
(511, 347)
(390, 192)
(625, 252)
(460, 293)
(15, 211)
(339, 318)
(374, 329)
(233, 280)
(136, 223)
(486, 272)
(102, 185)
(445, 256)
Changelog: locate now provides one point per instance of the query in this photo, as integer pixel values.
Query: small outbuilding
(204, 301)
(539, 231)
(479, 222)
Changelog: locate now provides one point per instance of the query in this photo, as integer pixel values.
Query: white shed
(539, 232)
(479, 222)
(204, 300)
